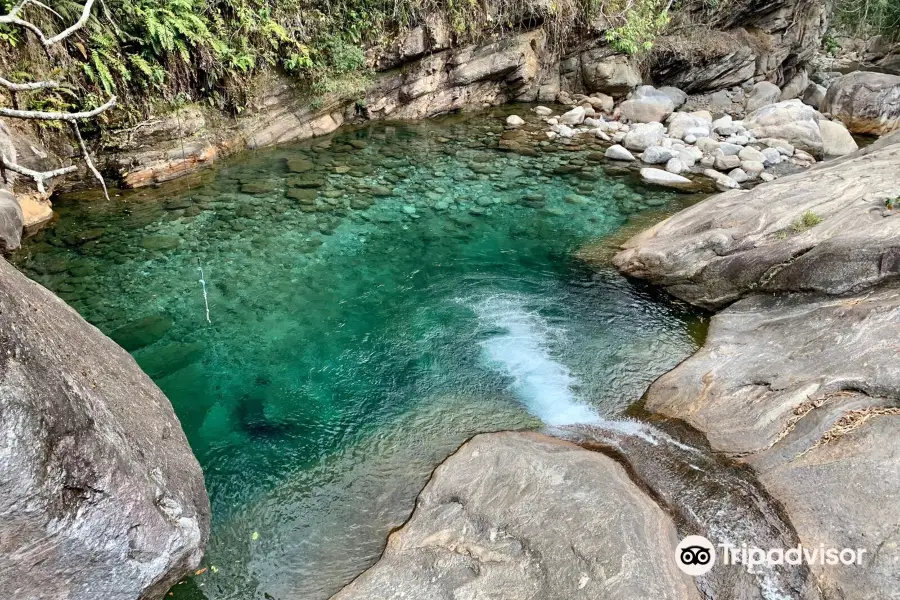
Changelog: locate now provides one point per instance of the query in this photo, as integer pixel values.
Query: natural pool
(375, 298)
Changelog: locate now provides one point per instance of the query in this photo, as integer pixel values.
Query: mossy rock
(160, 242)
(258, 188)
(302, 195)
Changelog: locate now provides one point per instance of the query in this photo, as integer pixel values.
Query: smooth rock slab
(100, 493)
(521, 516)
(744, 242)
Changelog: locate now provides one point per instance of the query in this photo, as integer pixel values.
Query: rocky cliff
(424, 72)
(100, 494)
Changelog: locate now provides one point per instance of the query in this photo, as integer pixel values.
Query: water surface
(374, 299)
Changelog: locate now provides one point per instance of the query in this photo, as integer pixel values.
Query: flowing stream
(375, 298)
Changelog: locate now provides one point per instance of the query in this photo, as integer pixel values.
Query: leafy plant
(644, 21)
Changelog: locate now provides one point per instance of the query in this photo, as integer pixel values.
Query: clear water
(355, 342)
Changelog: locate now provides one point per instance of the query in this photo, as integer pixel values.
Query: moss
(806, 221)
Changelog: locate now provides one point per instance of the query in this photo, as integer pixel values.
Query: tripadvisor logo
(696, 555)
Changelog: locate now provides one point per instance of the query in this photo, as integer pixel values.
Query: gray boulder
(100, 494)
(647, 105)
(643, 135)
(792, 121)
(825, 229)
(11, 220)
(762, 94)
(488, 525)
(836, 140)
(614, 74)
(814, 95)
(865, 102)
(681, 125)
(657, 155)
(677, 96)
(573, 117)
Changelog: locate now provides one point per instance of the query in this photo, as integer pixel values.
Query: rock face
(489, 525)
(99, 491)
(865, 102)
(800, 387)
(647, 105)
(825, 230)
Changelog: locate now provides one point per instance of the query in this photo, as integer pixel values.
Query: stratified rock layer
(826, 230)
(806, 389)
(100, 494)
(520, 516)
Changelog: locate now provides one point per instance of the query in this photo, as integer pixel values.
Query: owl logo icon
(695, 555)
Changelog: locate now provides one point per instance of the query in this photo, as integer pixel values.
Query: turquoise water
(375, 298)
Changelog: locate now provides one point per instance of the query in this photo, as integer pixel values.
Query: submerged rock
(101, 496)
(142, 332)
(488, 525)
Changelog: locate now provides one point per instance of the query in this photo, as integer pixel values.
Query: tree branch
(87, 159)
(85, 15)
(38, 176)
(56, 116)
(27, 87)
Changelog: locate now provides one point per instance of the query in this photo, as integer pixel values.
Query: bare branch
(36, 3)
(87, 159)
(56, 116)
(85, 15)
(38, 176)
(12, 19)
(27, 87)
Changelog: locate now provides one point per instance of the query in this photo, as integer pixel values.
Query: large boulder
(489, 525)
(647, 105)
(11, 222)
(682, 124)
(801, 388)
(762, 94)
(615, 74)
(827, 229)
(792, 121)
(865, 102)
(100, 494)
(836, 140)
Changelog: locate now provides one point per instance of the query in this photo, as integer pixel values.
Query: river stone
(681, 125)
(299, 165)
(665, 178)
(730, 245)
(488, 525)
(573, 117)
(792, 121)
(100, 494)
(160, 242)
(865, 102)
(617, 152)
(142, 332)
(762, 94)
(726, 163)
(749, 153)
(677, 96)
(643, 135)
(543, 111)
(515, 121)
(836, 140)
(657, 155)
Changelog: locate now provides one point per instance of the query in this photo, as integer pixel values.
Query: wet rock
(515, 121)
(820, 230)
(142, 332)
(543, 111)
(102, 496)
(178, 203)
(258, 188)
(865, 102)
(300, 165)
(163, 360)
(302, 195)
(305, 182)
(479, 530)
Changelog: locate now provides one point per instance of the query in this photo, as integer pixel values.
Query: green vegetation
(868, 17)
(808, 220)
(890, 203)
(146, 51)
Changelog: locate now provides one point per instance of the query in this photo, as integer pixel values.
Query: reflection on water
(375, 299)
